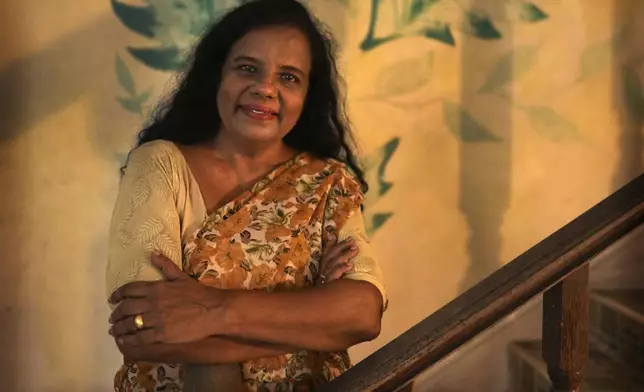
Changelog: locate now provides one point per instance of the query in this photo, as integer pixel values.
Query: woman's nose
(265, 88)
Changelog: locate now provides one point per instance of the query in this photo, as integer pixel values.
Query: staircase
(616, 353)
(591, 340)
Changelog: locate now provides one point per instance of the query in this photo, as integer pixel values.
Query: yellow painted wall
(500, 141)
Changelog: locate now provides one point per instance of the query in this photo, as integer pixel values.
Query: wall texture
(485, 125)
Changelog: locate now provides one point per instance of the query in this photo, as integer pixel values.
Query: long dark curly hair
(189, 115)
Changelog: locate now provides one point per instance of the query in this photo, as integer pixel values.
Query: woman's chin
(264, 134)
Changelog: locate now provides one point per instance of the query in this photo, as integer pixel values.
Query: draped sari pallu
(270, 238)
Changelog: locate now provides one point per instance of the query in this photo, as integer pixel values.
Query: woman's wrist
(220, 304)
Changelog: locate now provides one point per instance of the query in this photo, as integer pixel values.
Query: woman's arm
(338, 259)
(146, 219)
(332, 317)
(211, 351)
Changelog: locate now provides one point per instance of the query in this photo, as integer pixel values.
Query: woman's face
(264, 84)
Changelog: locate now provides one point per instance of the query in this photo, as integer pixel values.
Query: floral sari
(270, 238)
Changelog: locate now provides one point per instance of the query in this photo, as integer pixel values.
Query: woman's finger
(130, 307)
(335, 268)
(168, 268)
(137, 289)
(338, 249)
(332, 263)
(143, 337)
(123, 327)
(129, 325)
(339, 270)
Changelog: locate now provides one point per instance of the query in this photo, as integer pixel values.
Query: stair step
(528, 371)
(617, 325)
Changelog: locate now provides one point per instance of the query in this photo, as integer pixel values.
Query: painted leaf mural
(480, 25)
(124, 76)
(550, 124)
(141, 20)
(509, 67)
(438, 19)
(161, 59)
(405, 76)
(595, 58)
(134, 101)
(464, 126)
(525, 11)
(375, 166)
(633, 95)
(174, 25)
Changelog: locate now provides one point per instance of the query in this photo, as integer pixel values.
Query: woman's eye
(288, 77)
(247, 68)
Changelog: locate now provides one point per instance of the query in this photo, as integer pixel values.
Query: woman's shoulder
(339, 173)
(156, 148)
(329, 165)
(156, 152)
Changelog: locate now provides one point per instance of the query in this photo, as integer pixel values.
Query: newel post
(565, 330)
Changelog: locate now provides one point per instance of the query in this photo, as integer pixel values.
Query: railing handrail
(497, 296)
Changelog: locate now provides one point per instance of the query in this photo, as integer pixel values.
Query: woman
(245, 195)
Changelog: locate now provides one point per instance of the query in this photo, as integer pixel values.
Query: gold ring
(138, 321)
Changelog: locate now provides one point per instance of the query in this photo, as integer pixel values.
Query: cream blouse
(159, 205)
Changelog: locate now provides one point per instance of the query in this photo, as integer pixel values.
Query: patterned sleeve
(365, 265)
(145, 218)
(343, 219)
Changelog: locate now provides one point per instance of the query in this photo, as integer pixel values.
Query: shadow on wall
(78, 67)
(13, 189)
(485, 169)
(628, 91)
(80, 64)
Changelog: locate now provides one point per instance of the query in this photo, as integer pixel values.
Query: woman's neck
(245, 156)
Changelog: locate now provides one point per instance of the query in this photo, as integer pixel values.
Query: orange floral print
(271, 364)
(302, 215)
(235, 224)
(300, 251)
(270, 238)
(227, 253)
(282, 189)
(275, 233)
(234, 278)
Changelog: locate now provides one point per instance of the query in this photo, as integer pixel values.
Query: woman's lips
(259, 112)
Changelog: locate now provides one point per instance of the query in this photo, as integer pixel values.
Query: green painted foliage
(419, 18)
(550, 124)
(509, 67)
(464, 126)
(405, 76)
(138, 19)
(161, 59)
(633, 95)
(375, 166)
(134, 101)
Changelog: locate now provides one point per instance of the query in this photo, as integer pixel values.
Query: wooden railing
(557, 266)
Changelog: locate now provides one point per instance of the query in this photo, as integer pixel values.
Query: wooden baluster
(565, 331)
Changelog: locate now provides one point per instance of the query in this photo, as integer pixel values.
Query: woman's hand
(174, 310)
(336, 260)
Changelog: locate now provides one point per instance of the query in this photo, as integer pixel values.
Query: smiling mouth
(259, 113)
(262, 112)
